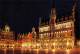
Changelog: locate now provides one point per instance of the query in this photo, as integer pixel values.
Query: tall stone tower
(74, 9)
(53, 15)
(52, 18)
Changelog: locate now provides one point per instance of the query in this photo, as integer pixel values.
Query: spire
(53, 10)
(53, 13)
(39, 21)
(74, 8)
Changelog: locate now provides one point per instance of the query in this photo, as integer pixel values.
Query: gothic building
(6, 33)
(7, 38)
(60, 34)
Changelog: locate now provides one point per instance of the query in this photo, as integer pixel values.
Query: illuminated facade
(6, 33)
(58, 35)
(64, 34)
(53, 36)
(44, 37)
(24, 41)
(7, 38)
(44, 31)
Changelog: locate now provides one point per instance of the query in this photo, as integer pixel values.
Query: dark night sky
(22, 15)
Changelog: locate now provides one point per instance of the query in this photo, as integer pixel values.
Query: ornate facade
(7, 38)
(6, 33)
(58, 35)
